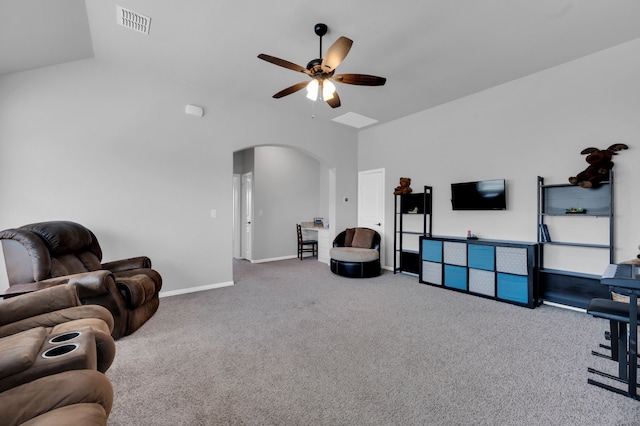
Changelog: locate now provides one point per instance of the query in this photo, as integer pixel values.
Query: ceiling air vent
(133, 20)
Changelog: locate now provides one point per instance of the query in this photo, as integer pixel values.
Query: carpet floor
(293, 344)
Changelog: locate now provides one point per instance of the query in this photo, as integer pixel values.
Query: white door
(247, 215)
(371, 203)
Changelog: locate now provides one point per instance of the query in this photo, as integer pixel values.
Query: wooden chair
(306, 246)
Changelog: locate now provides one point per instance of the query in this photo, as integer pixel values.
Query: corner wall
(534, 126)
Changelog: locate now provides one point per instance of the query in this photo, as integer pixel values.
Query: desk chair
(621, 351)
(306, 246)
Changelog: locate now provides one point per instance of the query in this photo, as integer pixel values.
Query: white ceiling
(430, 51)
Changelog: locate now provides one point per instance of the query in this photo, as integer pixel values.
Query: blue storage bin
(455, 277)
(432, 250)
(481, 257)
(513, 287)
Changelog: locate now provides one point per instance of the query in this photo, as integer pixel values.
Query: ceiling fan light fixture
(312, 89)
(322, 70)
(328, 89)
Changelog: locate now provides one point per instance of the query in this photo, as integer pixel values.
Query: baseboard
(560, 305)
(194, 289)
(273, 259)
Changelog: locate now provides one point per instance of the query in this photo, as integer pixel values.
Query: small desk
(322, 235)
(625, 279)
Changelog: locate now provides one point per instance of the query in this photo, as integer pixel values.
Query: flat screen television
(481, 195)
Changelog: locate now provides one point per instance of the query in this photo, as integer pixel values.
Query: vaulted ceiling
(431, 51)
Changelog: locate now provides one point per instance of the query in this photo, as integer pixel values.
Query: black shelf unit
(568, 287)
(408, 260)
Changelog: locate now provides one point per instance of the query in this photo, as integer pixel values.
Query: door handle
(379, 224)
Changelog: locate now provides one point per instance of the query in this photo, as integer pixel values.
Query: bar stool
(303, 244)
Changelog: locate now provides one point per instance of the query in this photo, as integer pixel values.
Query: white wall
(534, 126)
(112, 149)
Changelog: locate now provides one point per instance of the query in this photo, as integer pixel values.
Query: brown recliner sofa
(77, 397)
(46, 254)
(47, 332)
(53, 353)
(56, 314)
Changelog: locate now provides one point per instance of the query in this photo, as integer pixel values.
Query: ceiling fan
(322, 71)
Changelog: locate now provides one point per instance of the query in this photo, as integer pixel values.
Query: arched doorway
(288, 186)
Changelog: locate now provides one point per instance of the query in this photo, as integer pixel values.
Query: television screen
(482, 195)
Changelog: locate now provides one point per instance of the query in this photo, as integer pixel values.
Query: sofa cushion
(19, 351)
(63, 237)
(72, 389)
(79, 414)
(363, 238)
(348, 237)
(354, 254)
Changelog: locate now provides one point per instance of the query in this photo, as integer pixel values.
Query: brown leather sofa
(56, 312)
(53, 353)
(48, 332)
(46, 254)
(77, 397)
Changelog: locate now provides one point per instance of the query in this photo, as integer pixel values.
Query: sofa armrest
(37, 303)
(89, 284)
(338, 241)
(92, 284)
(126, 264)
(137, 290)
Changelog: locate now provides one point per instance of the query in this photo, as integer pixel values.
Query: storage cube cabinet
(500, 270)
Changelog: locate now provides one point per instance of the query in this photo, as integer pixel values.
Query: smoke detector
(133, 20)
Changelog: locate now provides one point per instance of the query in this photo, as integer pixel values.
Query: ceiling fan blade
(290, 90)
(336, 54)
(335, 101)
(283, 63)
(360, 79)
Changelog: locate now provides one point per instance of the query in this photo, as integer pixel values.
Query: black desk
(625, 279)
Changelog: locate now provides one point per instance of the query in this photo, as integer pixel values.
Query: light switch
(214, 213)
